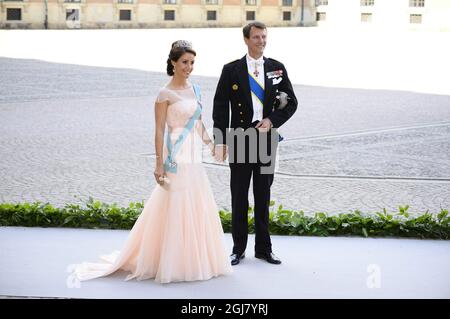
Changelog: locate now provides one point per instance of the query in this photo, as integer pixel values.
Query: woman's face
(184, 66)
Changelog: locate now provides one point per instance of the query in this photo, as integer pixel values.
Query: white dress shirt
(257, 65)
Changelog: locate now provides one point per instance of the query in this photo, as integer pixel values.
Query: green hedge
(95, 214)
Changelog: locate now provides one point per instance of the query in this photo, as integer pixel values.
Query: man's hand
(220, 152)
(265, 125)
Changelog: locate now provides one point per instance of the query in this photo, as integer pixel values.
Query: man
(251, 87)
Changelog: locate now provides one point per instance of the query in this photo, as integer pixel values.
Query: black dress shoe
(269, 257)
(236, 258)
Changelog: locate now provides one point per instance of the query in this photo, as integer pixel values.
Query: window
(366, 17)
(367, 3)
(286, 16)
(169, 15)
(287, 3)
(416, 3)
(125, 15)
(72, 15)
(250, 15)
(321, 16)
(250, 3)
(125, 1)
(78, 1)
(211, 1)
(170, 2)
(211, 15)
(415, 18)
(13, 14)
(321, 3)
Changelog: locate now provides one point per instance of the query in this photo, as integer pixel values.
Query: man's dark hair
(248, 27)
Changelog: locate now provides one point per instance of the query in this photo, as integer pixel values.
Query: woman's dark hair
(178, 49)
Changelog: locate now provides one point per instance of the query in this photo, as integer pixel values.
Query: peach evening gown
(178, 236)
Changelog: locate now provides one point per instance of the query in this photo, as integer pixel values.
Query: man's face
(256, 42)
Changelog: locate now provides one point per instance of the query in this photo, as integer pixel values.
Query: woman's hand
(212, 149)
(159, 174)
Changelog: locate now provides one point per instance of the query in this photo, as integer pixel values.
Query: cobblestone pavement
(68, 132)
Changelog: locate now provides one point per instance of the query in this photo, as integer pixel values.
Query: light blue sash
(170, 165)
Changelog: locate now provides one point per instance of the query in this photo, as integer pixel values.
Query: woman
(178, 236)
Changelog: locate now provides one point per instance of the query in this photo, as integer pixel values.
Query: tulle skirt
(177, 237)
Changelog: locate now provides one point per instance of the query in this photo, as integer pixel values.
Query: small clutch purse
(164, 179)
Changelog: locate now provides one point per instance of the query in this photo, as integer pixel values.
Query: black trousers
(241, 175)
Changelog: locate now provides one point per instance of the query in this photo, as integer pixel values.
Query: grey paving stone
(68, 130)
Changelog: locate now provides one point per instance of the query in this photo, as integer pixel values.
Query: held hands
(264, 125)
(212, 149)
(220, 152)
